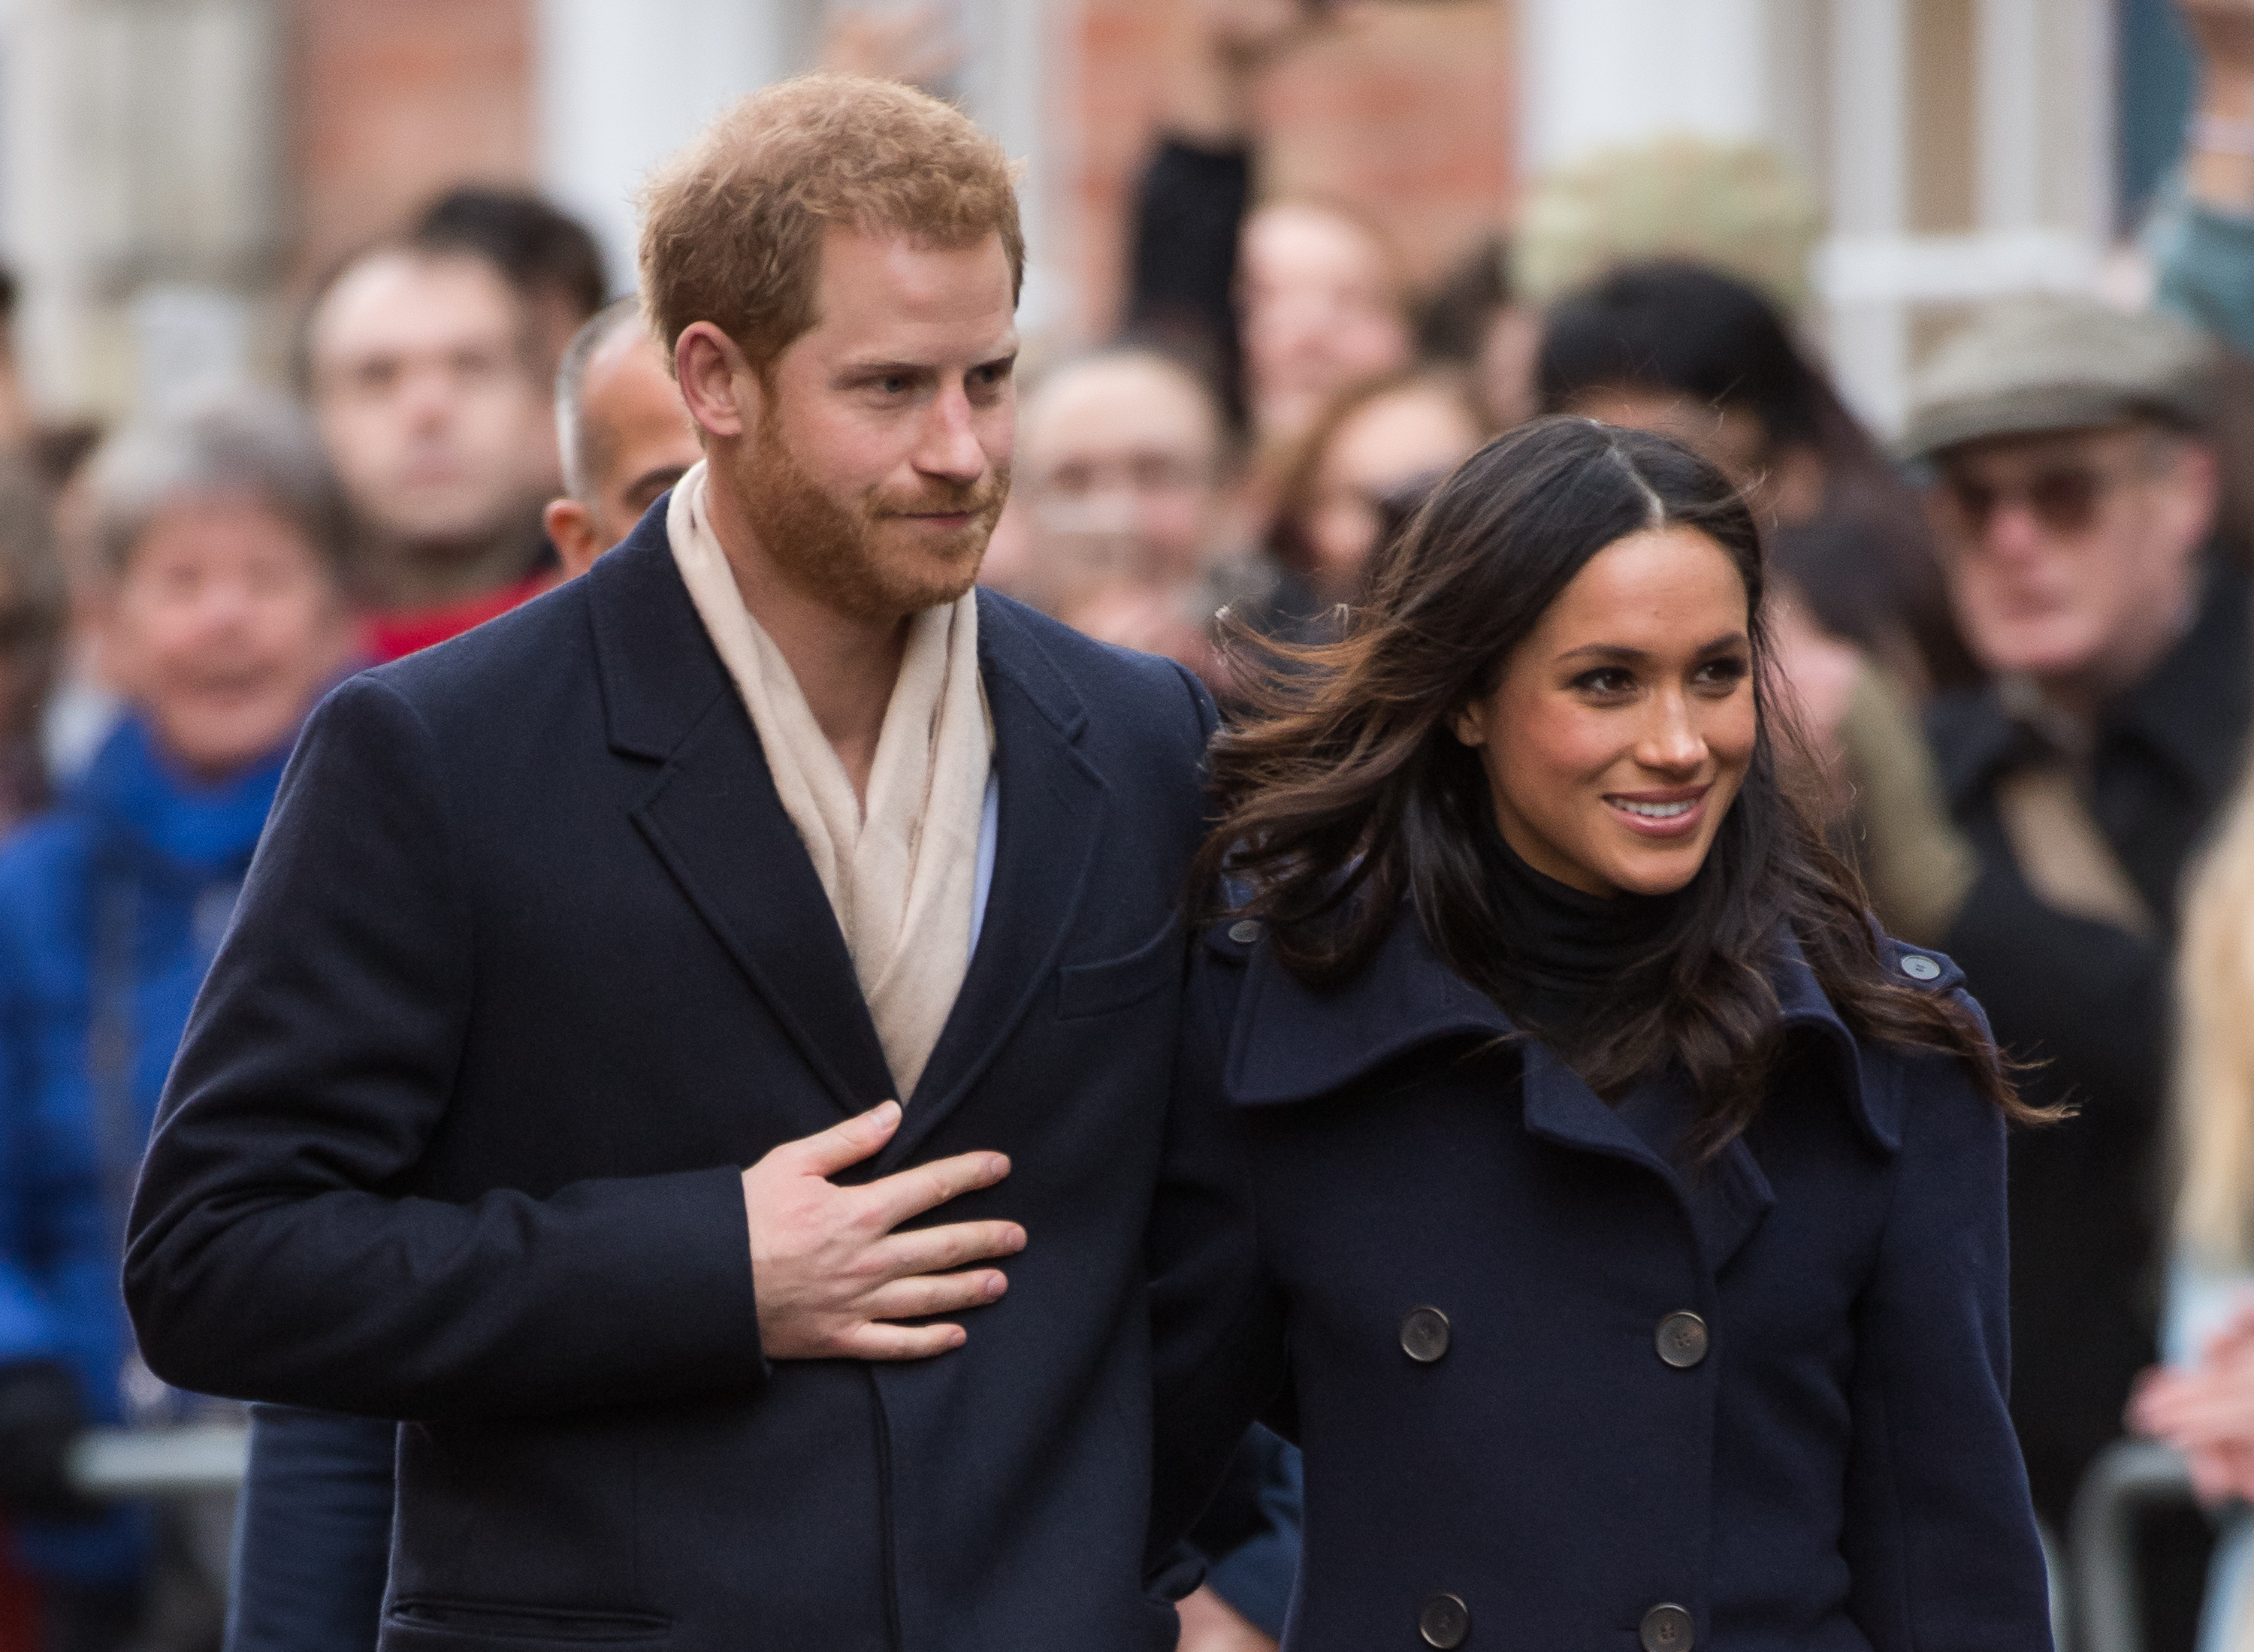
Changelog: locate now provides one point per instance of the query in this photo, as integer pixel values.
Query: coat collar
(713, 817)
(1292, 1043)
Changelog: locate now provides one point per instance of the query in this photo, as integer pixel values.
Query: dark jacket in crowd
(2088, 1000)
(111, 906)
(1554, 1390)
(530, 963)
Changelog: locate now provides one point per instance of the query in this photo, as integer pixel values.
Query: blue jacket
(1548, 1385)
(111, 906)
(531, 962)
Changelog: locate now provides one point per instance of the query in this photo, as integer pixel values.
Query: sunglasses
(2064, 500)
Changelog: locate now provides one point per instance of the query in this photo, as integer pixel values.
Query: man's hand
(827, 1270)
(1222, 45)
(916, 45)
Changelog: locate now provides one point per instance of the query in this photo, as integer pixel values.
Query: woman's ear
(1469, 723)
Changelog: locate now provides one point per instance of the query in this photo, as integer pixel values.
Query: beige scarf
(901, 877)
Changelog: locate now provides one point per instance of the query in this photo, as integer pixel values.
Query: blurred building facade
(174, 174)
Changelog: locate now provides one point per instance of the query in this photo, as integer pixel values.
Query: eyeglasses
(2064, 499)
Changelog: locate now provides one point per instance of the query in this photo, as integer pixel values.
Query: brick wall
(1410, 116)
(393, 101)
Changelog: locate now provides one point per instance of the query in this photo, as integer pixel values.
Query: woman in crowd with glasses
(1630, 1219)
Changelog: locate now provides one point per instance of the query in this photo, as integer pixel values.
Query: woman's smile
(1661, 813)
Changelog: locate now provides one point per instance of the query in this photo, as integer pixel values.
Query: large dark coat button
(1444, 1620)
(1667, 1628)
(1682, 1340)
(1424, 1339)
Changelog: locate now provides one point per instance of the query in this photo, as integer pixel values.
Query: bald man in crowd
(625, 436)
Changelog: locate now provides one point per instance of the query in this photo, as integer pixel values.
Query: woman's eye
(1722, 673)
(1610, 679)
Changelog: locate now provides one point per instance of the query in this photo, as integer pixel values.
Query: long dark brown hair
(1346, 791)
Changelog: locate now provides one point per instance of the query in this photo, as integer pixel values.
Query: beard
(854, 556)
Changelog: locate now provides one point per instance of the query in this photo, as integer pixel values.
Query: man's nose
(427, 394)
(949, 447)
(2013, 531)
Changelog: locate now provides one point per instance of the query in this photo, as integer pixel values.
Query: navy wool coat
(1556, 1391)
(529, 964)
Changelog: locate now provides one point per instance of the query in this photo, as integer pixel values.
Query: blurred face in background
(634, 440)
(222, 629)
(428, 402)
(1504, 373)
(1322, 311)
(1120, 458)
(2073, 557)
(1416, 431)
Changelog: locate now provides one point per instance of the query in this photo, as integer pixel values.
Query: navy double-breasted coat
(530, 963)
(1556, 1391)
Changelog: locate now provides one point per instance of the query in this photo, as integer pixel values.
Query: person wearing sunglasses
(2074, 495)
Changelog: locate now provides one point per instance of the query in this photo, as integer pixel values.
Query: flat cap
(2024, 366)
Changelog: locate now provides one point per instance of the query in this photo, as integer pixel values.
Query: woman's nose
(1671, 740)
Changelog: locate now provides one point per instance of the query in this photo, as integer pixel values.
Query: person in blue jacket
(1630, 1211)
(220, 614)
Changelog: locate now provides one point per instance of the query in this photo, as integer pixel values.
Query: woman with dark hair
(1630, 1211)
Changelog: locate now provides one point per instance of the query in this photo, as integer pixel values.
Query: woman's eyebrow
(1623, 654)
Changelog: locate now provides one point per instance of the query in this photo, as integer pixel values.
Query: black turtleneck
(1562, 946)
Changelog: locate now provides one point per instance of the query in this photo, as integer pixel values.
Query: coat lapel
(1725, 1199)
(1053, 804)
(712, 815)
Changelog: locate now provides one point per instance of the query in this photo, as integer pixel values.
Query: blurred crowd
(2017, 645)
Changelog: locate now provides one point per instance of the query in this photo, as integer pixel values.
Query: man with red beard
(621, 989)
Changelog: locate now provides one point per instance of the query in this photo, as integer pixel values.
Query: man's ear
(571, 529)
(2199, 477)
(716, 379)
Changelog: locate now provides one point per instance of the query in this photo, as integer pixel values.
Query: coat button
(1244, 931)
(1667, 1628)
(1682, 1340)
(1918, 967)
(1445, 1621)
(1424, 1339)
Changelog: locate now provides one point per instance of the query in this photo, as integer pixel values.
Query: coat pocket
(1117, 984)
(465, 1626)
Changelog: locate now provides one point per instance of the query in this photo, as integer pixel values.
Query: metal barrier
(110, 1463)
(2129, 1479)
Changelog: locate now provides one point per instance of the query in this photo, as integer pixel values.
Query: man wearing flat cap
(2075, 499)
